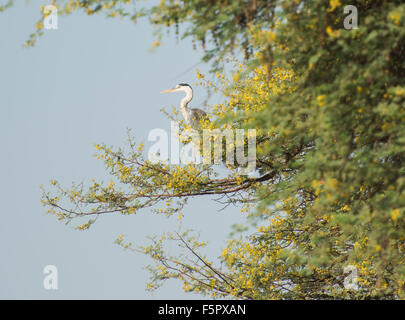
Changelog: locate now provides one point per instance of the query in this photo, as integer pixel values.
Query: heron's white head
(180, 87)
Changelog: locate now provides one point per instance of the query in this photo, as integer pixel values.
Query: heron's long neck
(184, 102)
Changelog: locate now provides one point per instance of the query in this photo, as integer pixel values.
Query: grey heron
(192, 116)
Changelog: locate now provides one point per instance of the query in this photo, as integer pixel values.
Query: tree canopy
(329, 189)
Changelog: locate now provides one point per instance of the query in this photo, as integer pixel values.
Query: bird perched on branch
(192, 116)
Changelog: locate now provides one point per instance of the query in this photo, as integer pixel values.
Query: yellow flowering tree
(326, 97)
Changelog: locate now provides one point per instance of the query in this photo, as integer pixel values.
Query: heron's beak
(169, 90)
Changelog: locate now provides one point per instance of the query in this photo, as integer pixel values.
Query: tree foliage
(330, 186)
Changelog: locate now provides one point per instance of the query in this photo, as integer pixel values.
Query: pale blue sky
(84, 83)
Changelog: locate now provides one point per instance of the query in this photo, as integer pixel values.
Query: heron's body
(192, 116)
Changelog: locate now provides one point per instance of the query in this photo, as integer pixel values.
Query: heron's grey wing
(196, 116)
